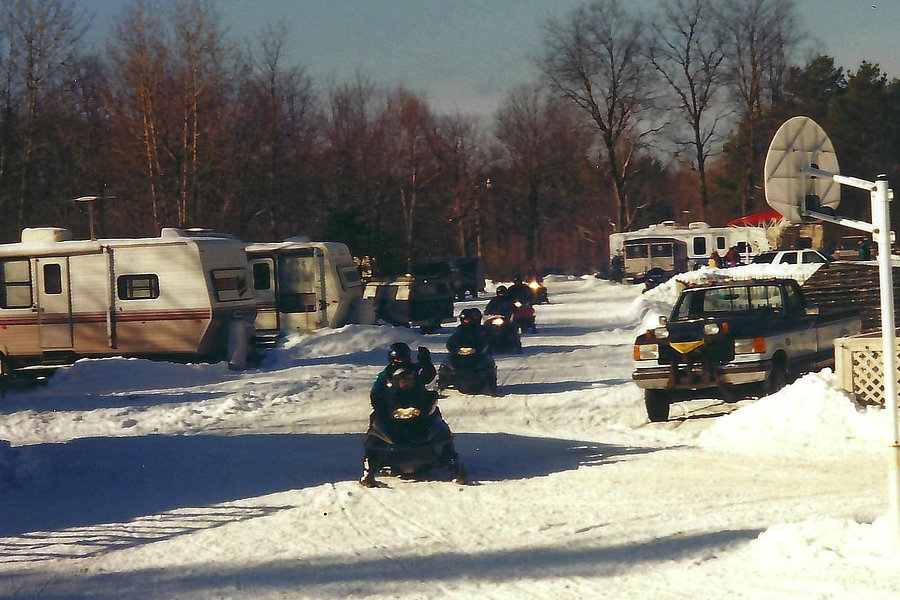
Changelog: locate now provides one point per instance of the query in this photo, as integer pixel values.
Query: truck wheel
(657, 403)
(778, 378)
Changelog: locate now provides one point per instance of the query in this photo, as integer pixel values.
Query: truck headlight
(755, 345)
(646, 351)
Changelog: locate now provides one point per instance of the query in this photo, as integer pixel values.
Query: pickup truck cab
(724, 337)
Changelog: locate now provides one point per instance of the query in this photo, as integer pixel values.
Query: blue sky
(464, 55)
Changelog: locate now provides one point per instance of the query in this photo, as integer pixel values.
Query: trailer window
(15, 284)
(230, 284)
(262, 276)
(52, 279)
(720, 242)
(138, 287)
(349, 277)
(699, 246)
(660, 250)
(637, 251)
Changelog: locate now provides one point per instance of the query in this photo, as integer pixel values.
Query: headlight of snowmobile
(755, 345)
(534, 285)
(465, 351)
(646, 351)
(406, 412)
(517, 304)
(498, 321)
(660, 333)
(711, 329)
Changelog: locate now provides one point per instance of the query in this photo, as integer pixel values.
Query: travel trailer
(643, 255)
(700, 240)
(411, 301)
(302, 285)
(175, 296)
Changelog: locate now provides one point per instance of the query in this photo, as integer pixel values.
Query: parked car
(793, 257)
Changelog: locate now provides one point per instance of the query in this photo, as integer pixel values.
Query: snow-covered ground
(136, 479)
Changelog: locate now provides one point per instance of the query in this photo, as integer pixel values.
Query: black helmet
(501, 290)
(399, 353)
(470, 316)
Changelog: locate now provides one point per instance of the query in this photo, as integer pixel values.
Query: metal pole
(881, 219)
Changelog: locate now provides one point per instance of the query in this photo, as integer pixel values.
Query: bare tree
(47, 33)
(759, 37)
(198, 31)
(595, 59)
(139, 52)
(277, 129)
(688, 54)
(460, 150)
(411, 125)
(359, 178)
(522, 129)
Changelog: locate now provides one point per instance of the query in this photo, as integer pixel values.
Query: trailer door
(265, 289)
(299, 290)
(54, 303)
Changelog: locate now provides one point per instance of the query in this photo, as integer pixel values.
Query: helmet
(470, 316)
(399, 353)
(517, 279)
(501, 290)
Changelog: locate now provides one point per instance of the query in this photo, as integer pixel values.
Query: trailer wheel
(657, 404)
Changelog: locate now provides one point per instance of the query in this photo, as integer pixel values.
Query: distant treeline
(631, 119)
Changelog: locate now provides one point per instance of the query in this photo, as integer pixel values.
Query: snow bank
(820, 541)
(809, 416)
(669, 291)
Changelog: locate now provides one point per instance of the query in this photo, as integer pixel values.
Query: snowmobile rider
(500, 304)
(400, 357)
(519, 291)
(469, 333)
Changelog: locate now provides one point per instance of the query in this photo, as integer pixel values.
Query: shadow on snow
(384, 575)
(92, 481)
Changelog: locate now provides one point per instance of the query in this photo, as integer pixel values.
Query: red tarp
(767, 216)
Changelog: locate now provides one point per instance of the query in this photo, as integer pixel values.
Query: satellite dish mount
(802, 181)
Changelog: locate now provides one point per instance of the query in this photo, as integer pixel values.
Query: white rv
(701, 240)
(175, 296)
(302, 286)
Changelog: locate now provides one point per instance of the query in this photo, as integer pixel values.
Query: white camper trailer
(701, 240)
(302, 286)
(175, 296)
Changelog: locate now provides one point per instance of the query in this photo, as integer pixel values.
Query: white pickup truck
(723, 337)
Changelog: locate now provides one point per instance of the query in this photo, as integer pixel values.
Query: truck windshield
(748, 300)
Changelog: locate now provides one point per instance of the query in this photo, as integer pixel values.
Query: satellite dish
(800, 143)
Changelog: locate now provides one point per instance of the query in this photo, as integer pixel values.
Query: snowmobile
(503, 333)
(410, 437)
(469, 370)
(535, 283)
(523, 316)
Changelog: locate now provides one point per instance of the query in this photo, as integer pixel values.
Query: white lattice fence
(858, 366)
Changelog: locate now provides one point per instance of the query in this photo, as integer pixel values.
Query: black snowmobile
(470, 371)
(409, 436)
(504, 334)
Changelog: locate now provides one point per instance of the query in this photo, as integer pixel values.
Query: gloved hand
(424, 355)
